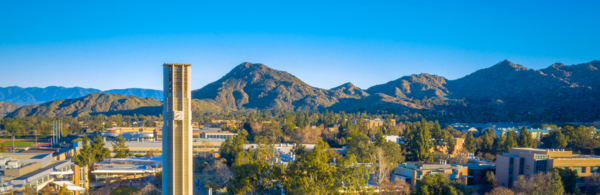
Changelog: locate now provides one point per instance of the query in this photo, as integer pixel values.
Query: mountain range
(36, 95)
(249, 86)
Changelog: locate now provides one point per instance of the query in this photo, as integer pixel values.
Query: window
(595, 169)
(521, 165)
(541, 166)
(578, 169)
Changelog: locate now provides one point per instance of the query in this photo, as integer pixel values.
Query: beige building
(177, 130)
(142, 148)
(529, 161)
(412, 172)
(458, 146)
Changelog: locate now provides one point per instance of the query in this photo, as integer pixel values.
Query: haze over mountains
(36, 95)
(248, 86)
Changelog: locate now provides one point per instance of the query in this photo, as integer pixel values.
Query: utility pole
(13, 149)
(36, 142)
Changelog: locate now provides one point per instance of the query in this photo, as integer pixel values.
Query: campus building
(37, 170)
(142, 148)
(177, 129)
(412, 172)
(458, 147)
(131, 133)
(530, 161)
(113, 170)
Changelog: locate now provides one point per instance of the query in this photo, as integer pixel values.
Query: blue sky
(122, 44)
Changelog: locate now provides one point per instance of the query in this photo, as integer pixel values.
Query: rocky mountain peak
(507, 65)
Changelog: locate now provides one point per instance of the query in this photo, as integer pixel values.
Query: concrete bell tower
(177, 130)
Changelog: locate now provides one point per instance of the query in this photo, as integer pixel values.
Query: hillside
(558, 85)
(143, 93)
(95, 103)
(348, 90)
(414, 86)
(256, 86)
(6, 108)
(35, 95)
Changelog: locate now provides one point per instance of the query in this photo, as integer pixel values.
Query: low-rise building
(530, 161)
(412, 172)
(282, 148)
(443, 148)
(35, 170)
(375, 123)
(58, 153)
(131, 133)
(536, 133)
(478, 169)
(143, 148)
(118, 169)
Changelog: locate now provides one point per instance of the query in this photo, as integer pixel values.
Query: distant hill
(6, 108)
(414, 86)
(143, 93)
(348, 90)
(574, 86)
(256, 86)
(35, 95)
(95, 103)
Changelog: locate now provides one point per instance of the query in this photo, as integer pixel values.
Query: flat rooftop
(25, 155)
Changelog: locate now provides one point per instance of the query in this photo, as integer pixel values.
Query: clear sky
(122, 44)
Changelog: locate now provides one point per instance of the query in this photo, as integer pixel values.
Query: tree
(501, 191)
(158, 177)
(90, 154)
(437, 136)
(152, 152)
(569, 179)
(393, 152)
(299, 149)
(490, 180)
(538, 184)
(3, 147)
(380, 139)
(221, 172)
(511, 141)
(398, 187)
(461, 158)
(487, 144)
(64, 190)
(419, 145)
(439, 184)
(352, 176)
(254, 176)
(555, 139)
(120, 147)
(311, 173)
(556, 185)
(149, 189)
(450, 144)
(231, 147)
(470, 143)
(526, 139)
(361, 147)
(500, 145)
(381, 166)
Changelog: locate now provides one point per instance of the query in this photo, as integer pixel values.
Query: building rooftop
(25, 155)
(42, 172)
